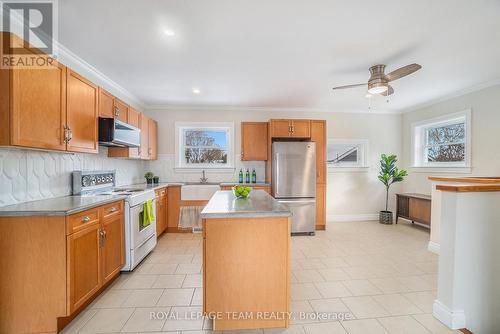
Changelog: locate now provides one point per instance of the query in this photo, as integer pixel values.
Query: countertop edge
(469, 188)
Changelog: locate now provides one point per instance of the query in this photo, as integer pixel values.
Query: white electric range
(140, 240)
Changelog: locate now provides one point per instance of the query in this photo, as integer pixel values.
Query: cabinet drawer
(81, 220)
(112, 209)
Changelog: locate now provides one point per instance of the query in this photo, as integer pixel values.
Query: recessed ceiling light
(196, 91)
(169, 32)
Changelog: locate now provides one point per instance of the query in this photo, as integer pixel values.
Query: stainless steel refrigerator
(294, 182)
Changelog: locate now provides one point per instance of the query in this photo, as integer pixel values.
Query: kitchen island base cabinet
(246, 269)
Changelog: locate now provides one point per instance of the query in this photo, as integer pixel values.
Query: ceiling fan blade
(349, 86)
(402, 72)
(389, 91)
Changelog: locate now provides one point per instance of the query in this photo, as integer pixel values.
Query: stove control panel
(90, 181)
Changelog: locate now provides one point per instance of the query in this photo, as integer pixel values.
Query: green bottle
(254, 176)
(241, 176)
(247, 176)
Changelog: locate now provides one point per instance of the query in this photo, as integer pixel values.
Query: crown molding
(190, 107)
(453, 95)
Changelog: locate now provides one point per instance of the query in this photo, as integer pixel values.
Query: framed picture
(347, 153)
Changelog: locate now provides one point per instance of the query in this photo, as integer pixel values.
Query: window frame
(181, 127)
(362, 163)
(419, 140)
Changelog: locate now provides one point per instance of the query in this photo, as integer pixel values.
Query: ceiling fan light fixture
(378, 88)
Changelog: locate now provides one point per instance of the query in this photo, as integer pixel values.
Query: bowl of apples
(241, 191)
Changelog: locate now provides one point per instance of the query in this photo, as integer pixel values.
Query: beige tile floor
(377, 278)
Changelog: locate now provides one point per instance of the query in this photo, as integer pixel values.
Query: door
(83, 248)
(38, 107)
(133, 117)
(81, 113)
(254, 141)
(294, 169)
(161, 217)
(106, 104)
(301, 128)
(321, 206)
(153, 139)
(303, 214)
(280, 128)
(121, 110)
(113, 247)
(139, 232)
(318, 135)
(144, 149)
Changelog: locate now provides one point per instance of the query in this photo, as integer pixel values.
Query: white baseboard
(351, 218)
(433, 247)
(454, 319)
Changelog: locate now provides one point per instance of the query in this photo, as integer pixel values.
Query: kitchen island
(246, 273)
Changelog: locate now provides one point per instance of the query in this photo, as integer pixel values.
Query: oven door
(140, 233)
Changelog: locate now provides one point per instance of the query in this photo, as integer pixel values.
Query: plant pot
(149, 181)
(156, 179)
(385, 217)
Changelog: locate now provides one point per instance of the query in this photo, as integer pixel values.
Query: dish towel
(148, 217)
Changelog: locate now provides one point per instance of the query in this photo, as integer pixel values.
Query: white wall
(27, 175)
(349, 194)
(485, 106)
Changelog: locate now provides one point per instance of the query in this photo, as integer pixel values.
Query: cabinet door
(144, 149)
(121, 110)
(161, 215)
(113, 247)
(301, 128)
(420, 210)
(84, 276)
(38, 107)
(133, 117)
(254, 141)
(153, 140)
(318, 135)
(280, 128)
(81, 113)
(320, 206)
(106, 104)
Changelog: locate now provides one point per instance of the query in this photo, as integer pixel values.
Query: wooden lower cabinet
(84, 274)
(53, 266)
(414, 207)
(320, 206)
(161, 211)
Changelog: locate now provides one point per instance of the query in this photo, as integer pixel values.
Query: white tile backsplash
(27, 175)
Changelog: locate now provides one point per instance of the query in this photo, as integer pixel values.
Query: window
(347, 153)
(442, 142)
(204, 145)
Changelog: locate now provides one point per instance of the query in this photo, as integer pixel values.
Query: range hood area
(113, 132)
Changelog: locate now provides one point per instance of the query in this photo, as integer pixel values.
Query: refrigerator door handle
(296, 201)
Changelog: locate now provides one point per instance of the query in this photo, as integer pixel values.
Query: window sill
(363, 169)
(441, 169)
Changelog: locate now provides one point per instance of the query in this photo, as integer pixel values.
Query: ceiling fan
(379, 81)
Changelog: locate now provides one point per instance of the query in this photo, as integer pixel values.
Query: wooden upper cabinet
(113, 247)
(121, 110)
(83, 258)
(144, 125)
(82, 113)
(33, 107)
(288, 128)
(301, 128)
(318, 135)
(280, 128)
(134, 117)
(106, 104)
(254, 141)
(153, 139)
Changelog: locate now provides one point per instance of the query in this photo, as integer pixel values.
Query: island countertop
(224, 204)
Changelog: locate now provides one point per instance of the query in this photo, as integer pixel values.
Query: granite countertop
(59, 206)
(224, 204)
(258, 184)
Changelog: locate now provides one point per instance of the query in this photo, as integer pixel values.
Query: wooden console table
(414, 207)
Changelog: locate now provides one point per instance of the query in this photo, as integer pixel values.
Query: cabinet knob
(113, 209)
(117, 112)
(86, 219)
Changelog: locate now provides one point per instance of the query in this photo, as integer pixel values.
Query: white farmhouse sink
(198, 192)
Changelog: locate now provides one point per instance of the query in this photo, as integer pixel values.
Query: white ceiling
(285, 53)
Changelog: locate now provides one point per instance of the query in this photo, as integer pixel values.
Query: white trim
(452, 170)
(226, 126)
(335, 169)
(352, 218)
(417, 132)
(433, 247)
(454, 319)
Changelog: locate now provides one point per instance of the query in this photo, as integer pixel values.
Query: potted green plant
(389, 174)
(149, 177)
